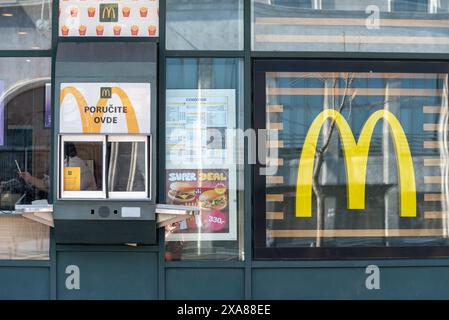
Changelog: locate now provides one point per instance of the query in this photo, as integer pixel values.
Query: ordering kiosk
(105, 131)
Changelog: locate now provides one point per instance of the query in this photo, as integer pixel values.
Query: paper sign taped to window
(72, 179)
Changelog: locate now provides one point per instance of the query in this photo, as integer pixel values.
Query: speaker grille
(103, 212)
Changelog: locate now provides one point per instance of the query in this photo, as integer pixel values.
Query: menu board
(196, 123)
(199, 171)
(110, 18)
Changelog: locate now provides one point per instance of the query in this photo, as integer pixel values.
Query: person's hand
(26, 176)
(170, 228)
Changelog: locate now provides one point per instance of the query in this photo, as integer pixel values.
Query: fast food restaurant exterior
(308, 136)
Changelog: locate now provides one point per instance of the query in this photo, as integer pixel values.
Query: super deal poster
(198, 171)
(209, 190)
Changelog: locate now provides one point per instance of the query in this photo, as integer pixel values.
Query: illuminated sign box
(124, 18)
(105, 108)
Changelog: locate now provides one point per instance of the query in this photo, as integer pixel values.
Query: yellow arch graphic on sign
(356, 160)
(87, 119)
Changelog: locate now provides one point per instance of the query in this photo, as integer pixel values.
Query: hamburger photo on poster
(205, 188)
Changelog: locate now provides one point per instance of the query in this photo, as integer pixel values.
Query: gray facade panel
(204, 284)
(24, 283)
(350, 283)
(108, 275)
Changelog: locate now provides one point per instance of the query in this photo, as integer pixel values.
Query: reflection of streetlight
(22, 33)
(7, 14)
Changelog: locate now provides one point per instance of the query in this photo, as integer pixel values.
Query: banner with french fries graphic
(104, 18)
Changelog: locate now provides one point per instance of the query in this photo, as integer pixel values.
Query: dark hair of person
(70, 150)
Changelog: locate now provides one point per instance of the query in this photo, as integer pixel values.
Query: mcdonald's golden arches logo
(356, 161)
(108, 12)
(105, 92)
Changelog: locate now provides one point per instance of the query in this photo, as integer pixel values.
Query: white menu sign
(110, 18)
(196, 124)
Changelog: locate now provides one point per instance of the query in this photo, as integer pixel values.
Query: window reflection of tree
(382, 190)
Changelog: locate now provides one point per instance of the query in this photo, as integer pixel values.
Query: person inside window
(71, 159)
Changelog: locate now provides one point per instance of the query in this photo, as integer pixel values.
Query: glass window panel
(204, 25)
(25, 24)
(204, 99)
(24, 140)
(83, 166)
(127, 167)
(413, 5)
(23, 238)
(358, 160)
(25, 134)
(351, 26)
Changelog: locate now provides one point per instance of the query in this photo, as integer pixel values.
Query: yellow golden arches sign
(91, 109)
(356, 160)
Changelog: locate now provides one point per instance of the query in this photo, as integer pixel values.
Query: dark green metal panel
(204, 284)
(24, 283)
(349, 283)
(109, 275)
